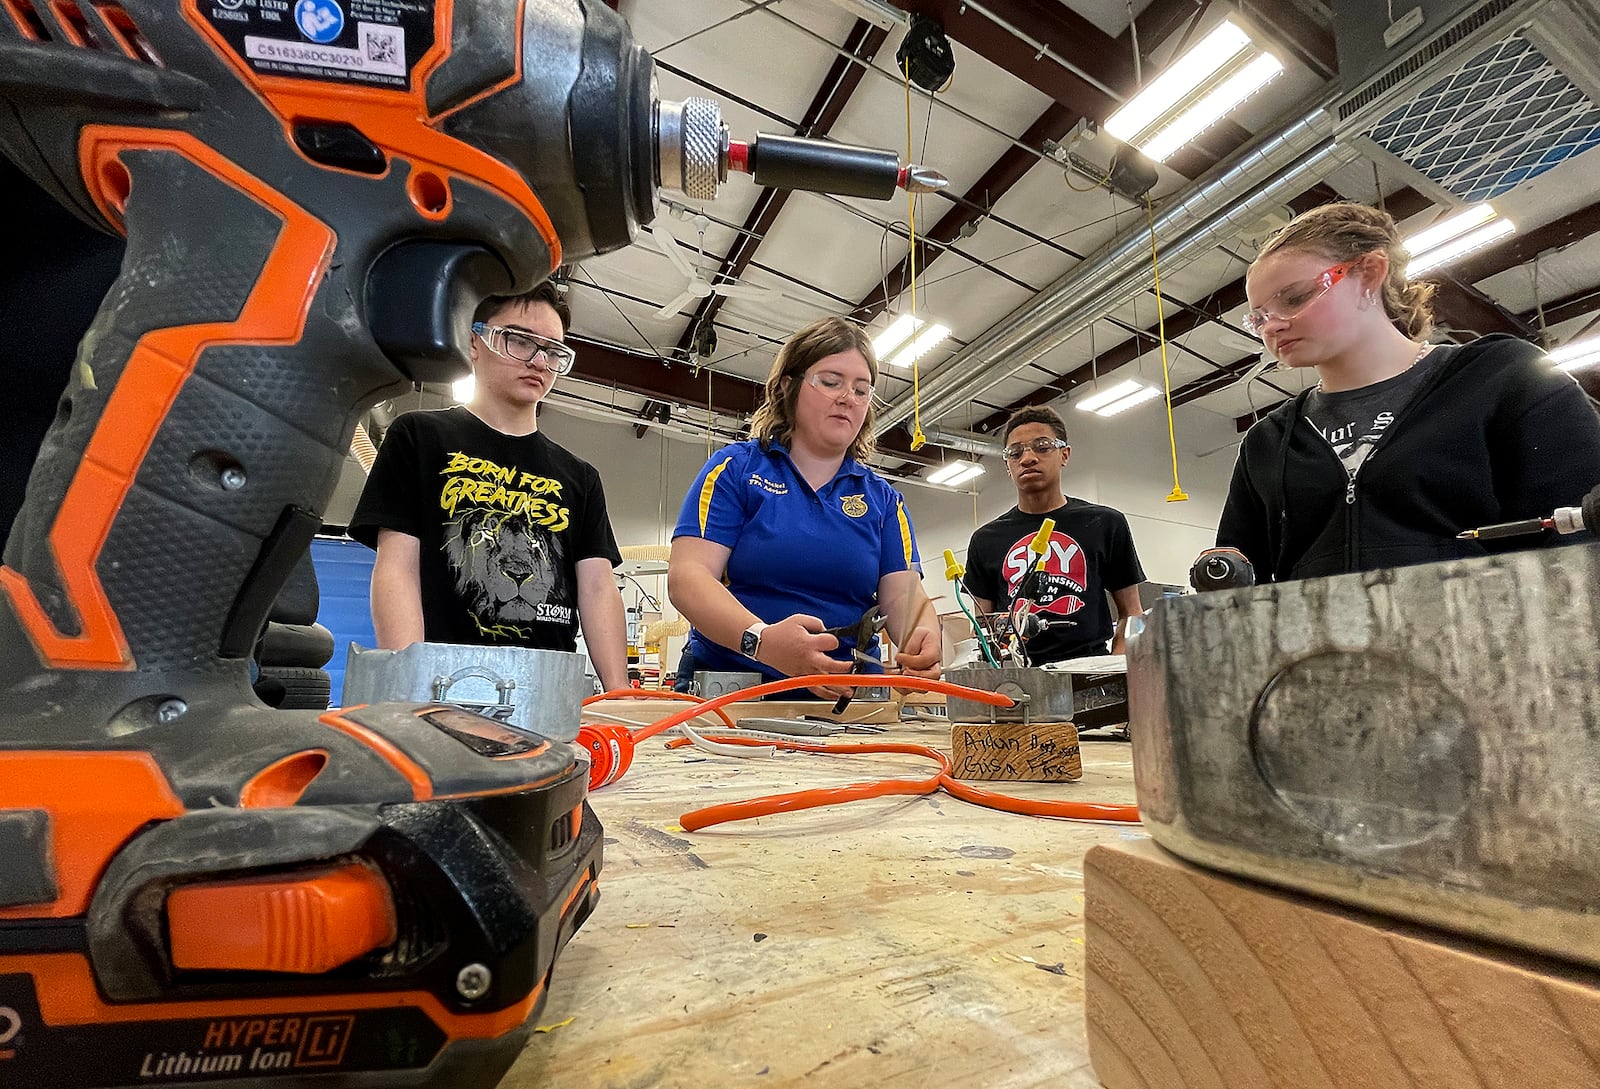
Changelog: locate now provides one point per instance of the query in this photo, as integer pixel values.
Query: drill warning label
(206, 1049)
(373, 42)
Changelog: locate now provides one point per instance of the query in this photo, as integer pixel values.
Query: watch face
(748, 642)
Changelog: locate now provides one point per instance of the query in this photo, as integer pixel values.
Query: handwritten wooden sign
(1016, 751)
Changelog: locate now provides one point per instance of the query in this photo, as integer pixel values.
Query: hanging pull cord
(918, 438)
(1178, 495)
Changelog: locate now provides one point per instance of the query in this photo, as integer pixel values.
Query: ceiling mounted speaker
(1131, 174)
(927, 51)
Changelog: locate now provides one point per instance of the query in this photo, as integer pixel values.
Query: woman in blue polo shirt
(788, 533)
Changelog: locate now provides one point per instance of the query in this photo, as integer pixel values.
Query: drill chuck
(694, 155)
(1585, 516)
(691, 148)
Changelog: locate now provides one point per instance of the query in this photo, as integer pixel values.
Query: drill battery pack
(373, 896)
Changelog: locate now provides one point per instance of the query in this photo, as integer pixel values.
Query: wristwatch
(750, 641)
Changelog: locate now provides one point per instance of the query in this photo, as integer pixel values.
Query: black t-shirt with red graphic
(1091, 553)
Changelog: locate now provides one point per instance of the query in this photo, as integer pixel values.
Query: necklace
(1427, 346)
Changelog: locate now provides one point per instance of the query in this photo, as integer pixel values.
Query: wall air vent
(1359, 59)
(1505, 116)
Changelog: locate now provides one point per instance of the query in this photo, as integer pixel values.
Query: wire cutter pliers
(863, 633)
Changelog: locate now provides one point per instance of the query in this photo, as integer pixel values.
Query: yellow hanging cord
(1178, 495)
(918, 439)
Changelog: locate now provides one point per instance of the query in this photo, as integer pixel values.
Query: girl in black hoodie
(1402, 444)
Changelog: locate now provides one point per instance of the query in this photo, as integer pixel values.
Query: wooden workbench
(901, 942)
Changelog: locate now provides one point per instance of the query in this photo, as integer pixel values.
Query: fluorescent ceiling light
(1180, 80)
(1579, 353)
(925, 342)
(1581, 360)
(1138, 397)
(1449, 227)
(894, 336)
(955, 472)
(1492, 231)
(462, 389)
(1212, 107)
(1093, 402)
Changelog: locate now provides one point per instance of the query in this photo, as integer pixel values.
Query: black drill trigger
(420, 299)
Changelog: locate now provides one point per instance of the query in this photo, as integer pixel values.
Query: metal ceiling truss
(668, 382)
(1107, 60)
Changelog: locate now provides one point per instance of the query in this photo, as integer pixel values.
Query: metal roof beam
(1519, 249)
(863, 41)
(1308, 41)
(1055, 25)
(1401, 204)
(1563, 309)
(725, 394)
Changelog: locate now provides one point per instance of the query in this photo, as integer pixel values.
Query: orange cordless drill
(315, 195)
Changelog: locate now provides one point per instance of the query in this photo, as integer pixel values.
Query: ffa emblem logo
(854, 505)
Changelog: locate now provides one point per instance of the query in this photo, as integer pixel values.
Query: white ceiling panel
(756, 56)
(829, 245)
(1561, 273)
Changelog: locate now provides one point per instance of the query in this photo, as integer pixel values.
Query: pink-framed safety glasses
(1290, 302)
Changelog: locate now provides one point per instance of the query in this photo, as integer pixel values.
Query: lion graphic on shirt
(507, 568)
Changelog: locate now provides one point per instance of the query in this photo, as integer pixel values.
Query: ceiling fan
(696, 285)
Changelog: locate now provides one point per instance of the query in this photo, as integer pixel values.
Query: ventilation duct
(1232, 197)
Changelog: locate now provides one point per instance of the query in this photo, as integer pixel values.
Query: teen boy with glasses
(1090, 552)
(486, 530)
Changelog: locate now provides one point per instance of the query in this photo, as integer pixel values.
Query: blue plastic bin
(344, 580)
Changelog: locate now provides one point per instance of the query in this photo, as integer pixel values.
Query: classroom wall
(1123, 462)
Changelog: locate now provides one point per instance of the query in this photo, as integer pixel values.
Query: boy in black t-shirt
(1091, 551)
(486, 531)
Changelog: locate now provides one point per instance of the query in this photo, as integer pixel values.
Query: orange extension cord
(611, 747)
(835, 680)
(944, 780)
(642, 694)
(812, 799)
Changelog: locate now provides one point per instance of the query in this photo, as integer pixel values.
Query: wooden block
(1197, 981)
(1041, 752)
